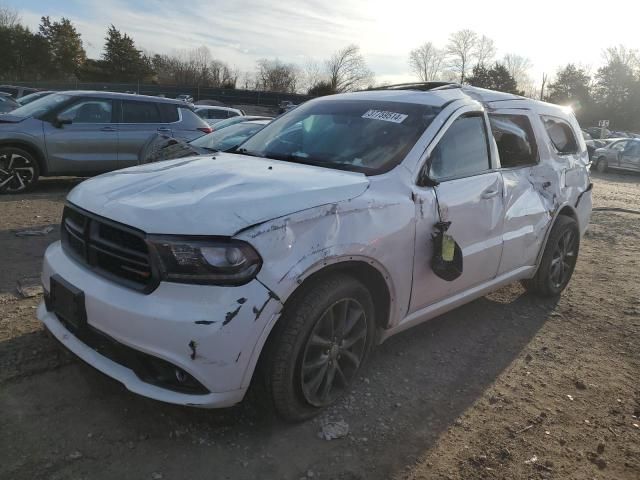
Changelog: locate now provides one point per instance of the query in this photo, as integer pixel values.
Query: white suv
(341, 223)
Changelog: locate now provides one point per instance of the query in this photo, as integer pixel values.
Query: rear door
(89, 144)
(138, 121)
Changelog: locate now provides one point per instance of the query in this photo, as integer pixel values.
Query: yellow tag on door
(448, 247)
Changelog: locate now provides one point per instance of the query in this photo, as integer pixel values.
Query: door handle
(108, 129)
(489, 193)
(164, 129)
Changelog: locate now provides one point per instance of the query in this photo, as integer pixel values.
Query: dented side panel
(376, 228)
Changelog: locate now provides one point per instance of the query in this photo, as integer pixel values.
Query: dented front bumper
(213, 333)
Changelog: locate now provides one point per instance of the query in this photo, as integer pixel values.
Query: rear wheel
(322, 341)
(19, 170)
(558, 260)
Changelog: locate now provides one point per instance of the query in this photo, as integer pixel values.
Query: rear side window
(561, 135)
(619, 146)
(515, 140)
(168, 112)
(462, 151)
(140, 112)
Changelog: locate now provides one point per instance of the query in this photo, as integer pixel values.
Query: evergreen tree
(64, 45)
(494, 78)
(122, 61)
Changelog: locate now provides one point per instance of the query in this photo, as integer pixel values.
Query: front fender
(378, 233)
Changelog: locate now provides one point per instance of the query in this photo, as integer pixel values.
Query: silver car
(84, 133)
(621, 154)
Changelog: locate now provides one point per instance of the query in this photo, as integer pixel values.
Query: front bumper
(213, 333)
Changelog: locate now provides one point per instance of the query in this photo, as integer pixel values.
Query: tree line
(56, 52)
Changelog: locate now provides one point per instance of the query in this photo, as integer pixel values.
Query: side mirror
(60, 121)
(425, 179)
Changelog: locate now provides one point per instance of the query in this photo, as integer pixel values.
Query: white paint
(302, 219)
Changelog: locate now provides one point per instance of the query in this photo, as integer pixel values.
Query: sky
(239, 32)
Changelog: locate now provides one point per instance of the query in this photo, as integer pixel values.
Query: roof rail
(423, 86)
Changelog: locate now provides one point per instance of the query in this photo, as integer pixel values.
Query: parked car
(184, 97)
(285, 106)
(33, 96)
(213, 114)
(162, 147)
(17, 92)
(348, 220)
(620, 154)
(215, 103)
(84, 133)
(7, 103)
(233, 120)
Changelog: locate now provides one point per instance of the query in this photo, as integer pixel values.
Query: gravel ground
(509, 386)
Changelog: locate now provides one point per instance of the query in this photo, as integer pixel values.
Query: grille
(112, 250)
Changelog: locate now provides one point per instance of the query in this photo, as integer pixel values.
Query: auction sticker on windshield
(386, 116)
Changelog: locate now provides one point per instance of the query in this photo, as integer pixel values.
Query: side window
(561, 135)
(462, 151)
(90, 110)
(619, 146)
(232, 113)
(140, 112)
(168, 112)
(515, 140)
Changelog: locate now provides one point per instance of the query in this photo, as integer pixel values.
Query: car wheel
(321, 343)
(601, 165)
(558, 260)
(19, 170)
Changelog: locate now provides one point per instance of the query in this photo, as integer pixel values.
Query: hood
(8, 118)
(213, 195)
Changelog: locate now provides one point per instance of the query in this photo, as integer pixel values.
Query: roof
(439, 94)
(123, 96)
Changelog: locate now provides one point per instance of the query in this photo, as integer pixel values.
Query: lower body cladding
(184, 344)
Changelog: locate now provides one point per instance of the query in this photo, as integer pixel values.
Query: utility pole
(544, 80)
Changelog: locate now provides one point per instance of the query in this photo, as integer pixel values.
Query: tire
(558, 260)
(19, 170)
(303, 350)
(601, 165)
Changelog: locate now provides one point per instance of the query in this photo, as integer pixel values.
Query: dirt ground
(507, 387)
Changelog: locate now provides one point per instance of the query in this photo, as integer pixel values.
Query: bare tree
(275, 76)
(426, 62)
(8, 17)
(629, 57)
(312, 75)
(485, 51)
(517, 65)
(347, 70)
(461, 50)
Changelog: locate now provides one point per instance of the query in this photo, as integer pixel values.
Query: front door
(89, 144)
(139, 120)
(630, 156)
(470, 196)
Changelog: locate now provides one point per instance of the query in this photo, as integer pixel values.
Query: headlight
(203, 260)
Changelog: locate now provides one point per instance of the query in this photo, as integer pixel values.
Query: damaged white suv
(343, 222)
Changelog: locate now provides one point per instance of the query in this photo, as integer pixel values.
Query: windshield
(364, 136)
(41, 105)
(227, 138)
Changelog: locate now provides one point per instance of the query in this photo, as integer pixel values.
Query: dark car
(17, 92)
(163, 147)
(7, 103)
(83, 133)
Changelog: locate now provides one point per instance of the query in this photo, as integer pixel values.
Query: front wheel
(602, 166)
(320, 345)
(558, 260)
(19, 170)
